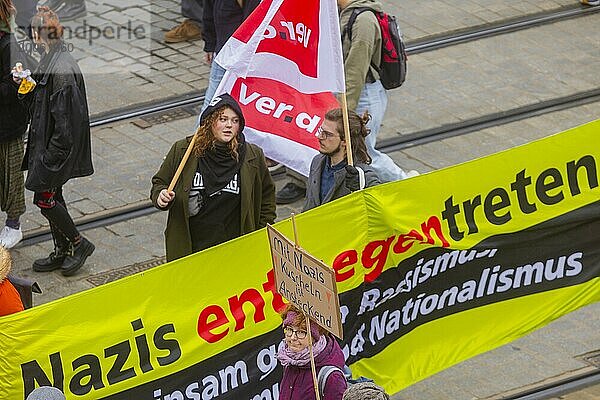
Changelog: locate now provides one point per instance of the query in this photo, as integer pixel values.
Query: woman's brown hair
(206, 139)
(358, 132)
(299, 319)
(47, 26)
(7, 10)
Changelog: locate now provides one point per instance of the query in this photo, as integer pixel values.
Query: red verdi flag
(280, 119)
(294, 41)
(283, 65)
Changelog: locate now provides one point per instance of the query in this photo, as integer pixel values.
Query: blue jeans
(216, 74)
(374, 100)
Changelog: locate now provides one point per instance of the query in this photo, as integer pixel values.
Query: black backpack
(392, 67)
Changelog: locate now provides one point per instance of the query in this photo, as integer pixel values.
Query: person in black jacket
(59, 146)
(221, 19)
(13, 122)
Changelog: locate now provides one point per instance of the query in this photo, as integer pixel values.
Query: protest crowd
(215, 183)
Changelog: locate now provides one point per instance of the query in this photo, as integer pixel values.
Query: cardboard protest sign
(306, 282)
(431, 271)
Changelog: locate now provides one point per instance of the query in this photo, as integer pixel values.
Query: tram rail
(143, 208)
(560, 388)
(416, 47)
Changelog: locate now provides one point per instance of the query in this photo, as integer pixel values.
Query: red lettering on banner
(434, 223)
(236, 305)
(405, 242)
(213, 316)
(269, 286)
(294, 34)
(373, 264)
(373, 258)
(343, 260)
(368, 260)
(217, 318)
(274, 107)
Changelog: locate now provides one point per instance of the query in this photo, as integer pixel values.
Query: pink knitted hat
(314, 328)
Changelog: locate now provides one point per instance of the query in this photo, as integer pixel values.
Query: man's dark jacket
(13, 117)
(221, 18)
(58, 147)
(339, 189)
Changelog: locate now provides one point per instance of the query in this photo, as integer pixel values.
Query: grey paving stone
(85, 206)
(418, 19)
(440, 88)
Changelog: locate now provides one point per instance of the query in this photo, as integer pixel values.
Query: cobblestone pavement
(445, 86)
(495, 74)
(440, 90)
(120, 47)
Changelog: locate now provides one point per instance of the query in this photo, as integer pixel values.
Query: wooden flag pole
(307, 319)
(312, 358)
(182, 163)
(347, 129)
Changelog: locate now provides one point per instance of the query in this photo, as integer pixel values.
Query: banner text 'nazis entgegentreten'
(431, 271)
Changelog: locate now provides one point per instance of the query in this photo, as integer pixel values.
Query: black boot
(72, 10)
(53, 261)
(57, 257)
(77, 258)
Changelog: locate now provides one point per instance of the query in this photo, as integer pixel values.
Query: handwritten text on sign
(306, 282)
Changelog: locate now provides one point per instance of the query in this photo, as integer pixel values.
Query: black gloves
(352, 181)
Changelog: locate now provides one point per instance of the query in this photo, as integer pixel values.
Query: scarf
(218, 166)
(302, 358)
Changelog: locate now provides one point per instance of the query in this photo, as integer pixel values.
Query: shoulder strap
(324, 373)
(355, 13)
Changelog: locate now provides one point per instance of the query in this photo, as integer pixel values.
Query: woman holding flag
(225, 189)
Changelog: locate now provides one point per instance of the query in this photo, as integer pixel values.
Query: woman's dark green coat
(257, 196)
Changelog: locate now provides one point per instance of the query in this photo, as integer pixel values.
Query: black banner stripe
(554, 245)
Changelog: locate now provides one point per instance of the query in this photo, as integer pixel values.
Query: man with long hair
(330, 176)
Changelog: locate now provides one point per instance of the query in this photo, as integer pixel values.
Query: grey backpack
(327, 370)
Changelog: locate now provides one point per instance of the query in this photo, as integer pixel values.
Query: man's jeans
(216, 74)
(374, 100)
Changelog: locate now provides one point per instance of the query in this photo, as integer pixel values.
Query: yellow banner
(431, 271)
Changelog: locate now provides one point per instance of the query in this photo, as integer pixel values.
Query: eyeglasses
(324, 134)
(289, 332)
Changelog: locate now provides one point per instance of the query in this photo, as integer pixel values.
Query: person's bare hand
(208, 57)
(17, 69)
(164, 198)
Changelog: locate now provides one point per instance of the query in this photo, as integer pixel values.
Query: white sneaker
(9, 237)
